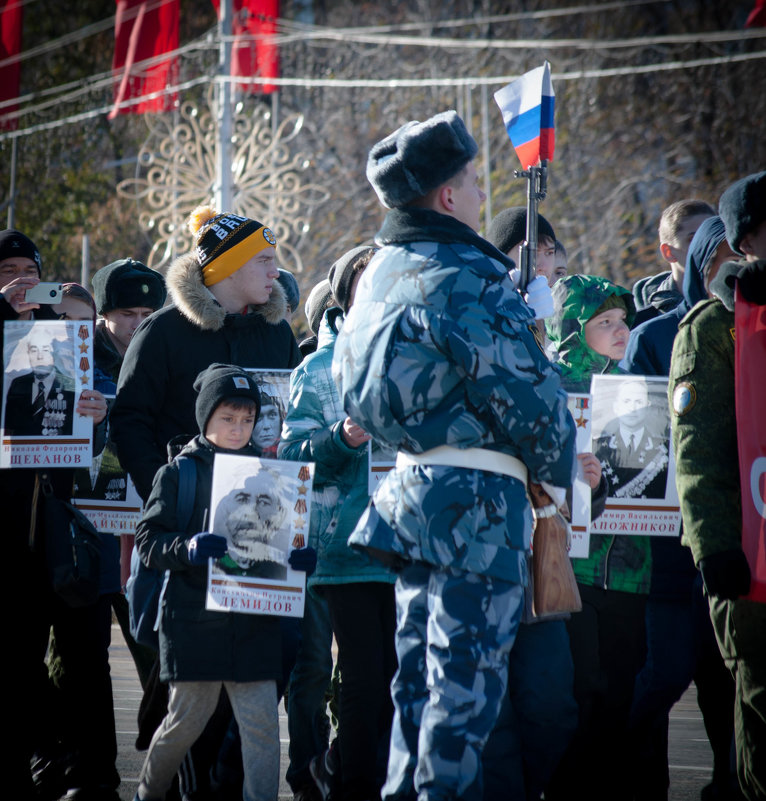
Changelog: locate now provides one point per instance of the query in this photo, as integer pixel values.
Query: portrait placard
(631, 439)
(105, 493)
(46, 365)
(262, 507)
(580, 407)
(275, 394)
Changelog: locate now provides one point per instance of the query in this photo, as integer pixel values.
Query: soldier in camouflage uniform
(438, 359)
(701, 392)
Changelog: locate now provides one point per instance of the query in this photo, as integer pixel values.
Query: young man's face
(252, 283)
(230, 428)
(468, 197)
(122, 323)
(684, 236)
(607, 333)
(723, 253)
(546, 255)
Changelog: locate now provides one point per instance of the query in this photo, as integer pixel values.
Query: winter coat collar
(107, 356)
(722, 286)
(197, 303)
(426, 225)
(332, 320)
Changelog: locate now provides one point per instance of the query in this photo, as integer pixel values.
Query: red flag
(757, 17)
(750, 358)
(10, 47)
(144, 30)
(254, 52)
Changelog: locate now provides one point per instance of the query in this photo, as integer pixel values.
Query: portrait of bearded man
(254, 520)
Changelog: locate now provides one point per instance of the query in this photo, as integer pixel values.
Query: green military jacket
(701, 397)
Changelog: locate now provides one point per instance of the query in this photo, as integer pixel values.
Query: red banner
(757, 17)
(11, 13)
(255, 52)
(750, 378)
(143, 31)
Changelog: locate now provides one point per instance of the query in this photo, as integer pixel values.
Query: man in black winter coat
(227, 306)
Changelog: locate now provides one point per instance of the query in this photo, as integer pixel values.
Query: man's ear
(446, 198)
(668, 253)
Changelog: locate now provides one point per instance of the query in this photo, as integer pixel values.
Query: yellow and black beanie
(224, 242)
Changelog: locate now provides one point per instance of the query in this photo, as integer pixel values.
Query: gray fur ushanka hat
(418, 157)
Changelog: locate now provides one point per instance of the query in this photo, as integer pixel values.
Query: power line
(396, 83)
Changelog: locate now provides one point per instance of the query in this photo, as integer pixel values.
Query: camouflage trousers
(454, 633)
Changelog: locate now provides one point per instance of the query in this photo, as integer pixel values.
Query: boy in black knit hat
(202, 650)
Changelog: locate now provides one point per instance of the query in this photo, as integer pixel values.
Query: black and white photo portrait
(254, 518)
(632, 436)
(40, 401)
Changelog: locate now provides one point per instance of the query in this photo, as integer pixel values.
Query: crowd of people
(424, 342)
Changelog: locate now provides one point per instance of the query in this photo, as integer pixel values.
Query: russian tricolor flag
(527, 108)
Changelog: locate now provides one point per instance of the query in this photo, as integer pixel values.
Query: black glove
(304, 559)
(726, 575)
(752, 282)
(204, 545)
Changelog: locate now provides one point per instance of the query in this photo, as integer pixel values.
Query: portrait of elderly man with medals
(41, 401)
(633, 446)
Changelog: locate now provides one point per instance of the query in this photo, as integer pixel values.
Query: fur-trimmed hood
(197, 303)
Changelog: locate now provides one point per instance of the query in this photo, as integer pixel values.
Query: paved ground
(690, 756)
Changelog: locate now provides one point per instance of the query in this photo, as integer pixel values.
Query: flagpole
(223, 186)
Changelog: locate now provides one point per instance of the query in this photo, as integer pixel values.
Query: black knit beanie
(342, 272)
(14, 244)
(128, 284)
(219, 382)
(509, 228)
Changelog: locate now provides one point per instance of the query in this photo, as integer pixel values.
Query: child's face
(230, 428)
(607, 333)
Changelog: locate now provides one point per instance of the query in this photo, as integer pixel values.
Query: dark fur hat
(128, 284)
(742, 207)
(418, 157)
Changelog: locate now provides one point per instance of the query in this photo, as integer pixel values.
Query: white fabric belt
(469, 458)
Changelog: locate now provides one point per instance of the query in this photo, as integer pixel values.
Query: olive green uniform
(701, 396)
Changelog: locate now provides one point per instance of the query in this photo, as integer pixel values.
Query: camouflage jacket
(438, 349)
(701, 396)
